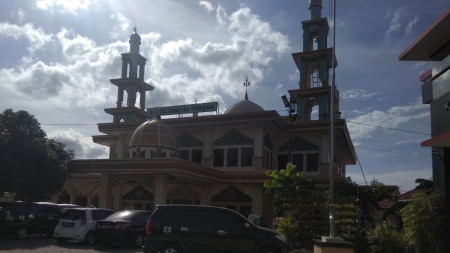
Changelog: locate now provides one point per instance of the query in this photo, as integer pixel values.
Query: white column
(160, 189)
(257, 201)
(104, 192)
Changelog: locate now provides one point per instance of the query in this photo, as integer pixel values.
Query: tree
(305, 209)
(387, 239)
(424, 184)
(288, 185)
(32, 166)
(422, 221)
(370, 197)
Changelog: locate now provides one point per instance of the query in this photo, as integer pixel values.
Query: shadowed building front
(211, 159)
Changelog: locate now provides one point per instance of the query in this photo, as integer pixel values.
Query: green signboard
(182, 109)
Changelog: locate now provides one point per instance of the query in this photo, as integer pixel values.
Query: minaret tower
(314, 64)
(132, 82)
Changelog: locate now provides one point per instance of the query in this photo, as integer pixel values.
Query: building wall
(440, 123)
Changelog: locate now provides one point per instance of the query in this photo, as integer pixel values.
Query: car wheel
(89, 238)
(269, 250)
(138, 241)
(21, 233)
(170, 249)
(62, 240)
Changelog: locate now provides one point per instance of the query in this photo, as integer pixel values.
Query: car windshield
(121, 215)
(73, 214)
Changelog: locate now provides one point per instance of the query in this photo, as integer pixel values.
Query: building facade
(434, 46)
(213, 159)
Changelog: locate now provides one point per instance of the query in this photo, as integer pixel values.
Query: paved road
(43, 244)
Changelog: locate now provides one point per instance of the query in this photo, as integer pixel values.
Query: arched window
(304, 155)
(233, 149)
(190, 148)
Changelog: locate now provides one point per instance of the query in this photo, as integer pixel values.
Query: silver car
(77, 224)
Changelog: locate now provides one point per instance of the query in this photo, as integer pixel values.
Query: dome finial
(135, 29)
(246, 84)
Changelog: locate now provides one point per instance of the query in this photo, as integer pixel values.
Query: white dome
(245, 106)
(153, 133)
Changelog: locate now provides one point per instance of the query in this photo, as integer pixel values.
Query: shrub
(387, 239)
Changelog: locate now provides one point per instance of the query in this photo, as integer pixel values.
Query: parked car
(3, 212)
(126, 226)
(190, 228)
(78, 223)
(62, 207)
(22, 218)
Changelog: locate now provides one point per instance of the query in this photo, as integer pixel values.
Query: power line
(394, 152)
(392, 143)
(364, 176)
(393, 129)
(365, 124)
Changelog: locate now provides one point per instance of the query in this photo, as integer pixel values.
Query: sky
(57, 58)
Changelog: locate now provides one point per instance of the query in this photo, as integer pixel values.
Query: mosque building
(214, 159)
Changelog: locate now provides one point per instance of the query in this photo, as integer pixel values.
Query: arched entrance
(137, 199)
(184, 195)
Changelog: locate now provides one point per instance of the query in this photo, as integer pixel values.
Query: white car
(77, 224)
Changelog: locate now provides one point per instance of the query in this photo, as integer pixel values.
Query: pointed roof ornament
(246, 84)
(245, 106)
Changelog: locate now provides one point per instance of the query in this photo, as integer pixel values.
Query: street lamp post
(291, 104)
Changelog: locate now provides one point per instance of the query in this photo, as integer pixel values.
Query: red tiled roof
(407, 196)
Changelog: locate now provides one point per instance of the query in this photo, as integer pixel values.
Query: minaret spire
(132, 83)
(246, 84)
(315, 9)
(135, 42)
(314, 65)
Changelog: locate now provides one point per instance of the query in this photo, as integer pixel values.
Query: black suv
(21, 218)
(191, 228)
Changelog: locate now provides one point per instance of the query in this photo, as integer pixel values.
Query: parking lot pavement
(43, 244)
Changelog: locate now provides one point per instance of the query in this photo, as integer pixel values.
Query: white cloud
(80, 83)
(388, 13)
(419, 65)
(294, 76)
(248, 27)
(221, 16)
(356, 94)
(207, 5)
(392, 118)
(395, 23)
(20, 14)
(253, 46)
(409, 26)
(37, 38)
(66, 6)
(74, 49)
(83, 146)
(122, 24)
(340, 23)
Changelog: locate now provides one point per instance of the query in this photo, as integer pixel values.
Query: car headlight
(282, 238)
